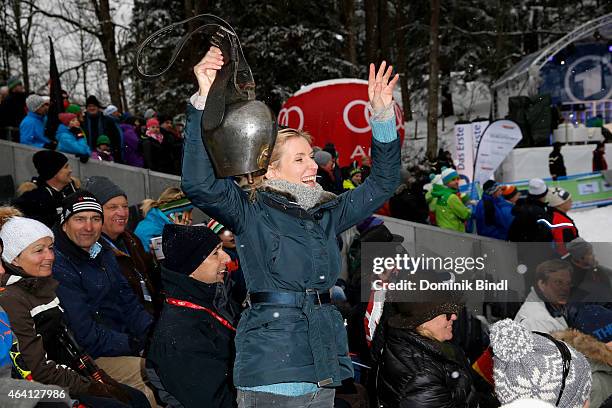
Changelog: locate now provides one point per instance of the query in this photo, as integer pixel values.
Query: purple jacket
(132, 151)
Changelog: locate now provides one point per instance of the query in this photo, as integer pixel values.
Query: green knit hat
(73, 108)
(13, 82)
(103, 139)
(182, 204)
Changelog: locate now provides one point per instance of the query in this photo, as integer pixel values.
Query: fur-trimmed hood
(592, 348)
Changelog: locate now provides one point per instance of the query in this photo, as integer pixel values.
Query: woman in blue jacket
(291, 344)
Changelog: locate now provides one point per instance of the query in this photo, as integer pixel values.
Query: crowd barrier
(16, 160)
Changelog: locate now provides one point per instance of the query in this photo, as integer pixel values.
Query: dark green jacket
(284, 248)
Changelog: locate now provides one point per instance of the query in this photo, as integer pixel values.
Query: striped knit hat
(180, 205)
(77, 202)
(449, 174)
(215, 226)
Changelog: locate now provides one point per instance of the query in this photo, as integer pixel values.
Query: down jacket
(415, 371)
(100, 306)
(285, 248)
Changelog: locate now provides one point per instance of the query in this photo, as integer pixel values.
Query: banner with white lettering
(335, 111)
(478, 128)
(496, 143)
(464, 150)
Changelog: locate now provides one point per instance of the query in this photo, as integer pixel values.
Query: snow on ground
(594, 225)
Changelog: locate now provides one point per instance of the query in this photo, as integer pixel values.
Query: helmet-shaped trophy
(238, 131)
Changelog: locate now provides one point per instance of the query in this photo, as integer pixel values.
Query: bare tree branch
(82, 64)
(64, 18)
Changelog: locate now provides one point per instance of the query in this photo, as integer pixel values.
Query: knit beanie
(509, 191)
(66, 118)
(490, 187)
(578, 247)
(150, 113)
(322, 157)
(92, 100)
(103, 188)
(72, 108)
(77, 202)
(354, 171)
(48, 163)
(410, 315)
(448, 175)
(557, 196)
(13, 82)
(103, 139)
(180, 205)
(537, 188)
(528, 365)
(109, 110)
(215, 226)
(186, 247)
(33, 102)
(18, 233)
(152, 122)
(528, 403)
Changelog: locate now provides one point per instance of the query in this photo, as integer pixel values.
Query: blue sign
(582, 74)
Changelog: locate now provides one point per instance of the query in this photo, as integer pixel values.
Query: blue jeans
(322, 398)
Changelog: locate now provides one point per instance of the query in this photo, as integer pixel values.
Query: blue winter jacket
(503, 218)
(285, 248)
(151, 226)
(67, 142)
(100, 306)
(32, 130)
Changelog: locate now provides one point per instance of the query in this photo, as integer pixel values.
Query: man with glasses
(544, 309)
(102, 311)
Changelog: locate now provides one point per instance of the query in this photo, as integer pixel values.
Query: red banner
(335, 111)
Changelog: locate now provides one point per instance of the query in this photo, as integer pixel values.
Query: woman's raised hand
(380, 88)
(206, 70)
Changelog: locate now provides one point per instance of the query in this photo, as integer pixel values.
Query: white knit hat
(527, 365)
(557, 196)
(33, 102)
(537, 187)
(528, 403)
(109, 110)
(18, 233)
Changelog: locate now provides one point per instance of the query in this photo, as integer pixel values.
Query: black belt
(295, 299)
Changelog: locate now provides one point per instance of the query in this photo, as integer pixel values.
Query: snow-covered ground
(594, 225)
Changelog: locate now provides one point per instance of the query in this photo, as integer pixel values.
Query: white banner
(478, 129)
(464, 149)
(496, 143)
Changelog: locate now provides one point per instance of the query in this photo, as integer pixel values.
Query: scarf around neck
(306, 197)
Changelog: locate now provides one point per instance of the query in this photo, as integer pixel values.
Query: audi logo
(286, 113)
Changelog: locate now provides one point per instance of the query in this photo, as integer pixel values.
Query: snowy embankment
(594, 225)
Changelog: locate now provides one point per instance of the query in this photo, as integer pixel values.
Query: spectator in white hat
(32, 127)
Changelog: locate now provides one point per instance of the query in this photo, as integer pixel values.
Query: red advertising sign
(335, 111)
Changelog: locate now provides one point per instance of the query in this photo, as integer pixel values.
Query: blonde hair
(168, 195)
(281, 139)
(425, 332)
(8, 212)
(25, 187)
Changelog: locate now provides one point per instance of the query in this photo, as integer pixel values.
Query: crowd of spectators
(93, 131)
(143, 316)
